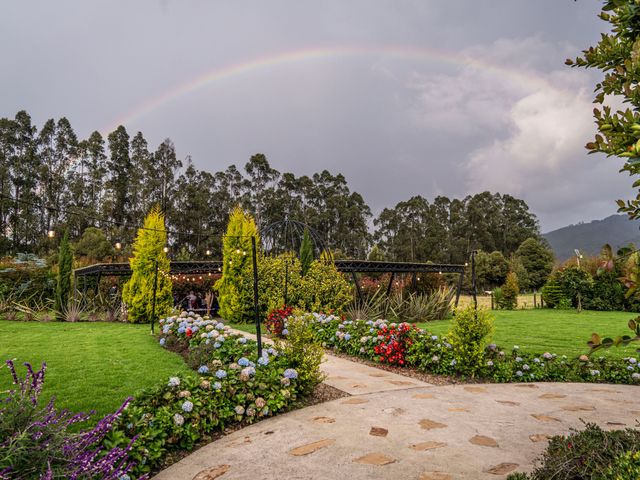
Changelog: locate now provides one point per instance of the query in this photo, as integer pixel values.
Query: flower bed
(231, 385)
(404, 344)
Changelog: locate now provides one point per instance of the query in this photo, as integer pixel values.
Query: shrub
(65, 265)
(272, 272)
(625, 467)
(553, 294)
(607, 292)
(233, 386)
(38, 443)
(421, 307)
(396, 339)
(510, 291)
(148, 249)
(587, 454)
(235, 288)
(303, 352)
(324, 289)
(468, 335)
(276, 321)
(576, 284)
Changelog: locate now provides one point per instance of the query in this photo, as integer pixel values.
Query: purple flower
(221, 374)
(290, 373)
(187, 406)
(203, 369)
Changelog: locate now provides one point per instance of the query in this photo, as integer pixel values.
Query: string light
(51, 234)
(165, 249)
(208, 252)
(118, 245)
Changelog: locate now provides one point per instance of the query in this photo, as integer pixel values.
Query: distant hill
(616, 230)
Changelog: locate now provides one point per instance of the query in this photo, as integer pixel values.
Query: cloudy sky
(415, 97)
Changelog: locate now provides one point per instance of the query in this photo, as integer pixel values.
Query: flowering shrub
(36, 441)
(385, 342)
(276, 321)
(232, 385)
(395, 341)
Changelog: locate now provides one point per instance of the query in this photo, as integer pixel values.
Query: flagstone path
(410, 430)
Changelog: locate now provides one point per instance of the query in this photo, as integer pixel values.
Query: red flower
(189, 332)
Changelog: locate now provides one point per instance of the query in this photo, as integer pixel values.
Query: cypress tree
(235, 292)
(137, 293)
(306, 252)
(65, 265)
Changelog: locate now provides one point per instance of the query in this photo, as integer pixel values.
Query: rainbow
(321, 53)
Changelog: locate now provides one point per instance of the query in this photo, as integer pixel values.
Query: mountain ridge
(589, 237)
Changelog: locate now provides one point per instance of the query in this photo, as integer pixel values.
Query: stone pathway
(425, 433)
(409, 430)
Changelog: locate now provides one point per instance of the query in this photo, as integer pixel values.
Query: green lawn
(564, 332)
(90, 366)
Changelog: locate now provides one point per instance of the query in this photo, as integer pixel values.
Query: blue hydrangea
(124, 477)
(525, 367)
(434, 337)
(271, 351)
(242, 340)
(162, 342)
(217, 385)
(173, 382)
(217, 345)
(263, 361)
(630, 367)
(453, 362)
(290, 373)
(187, 406)
(285, 331)
(243, 362)
(182, 329)
(221, 339)
(203, 369)
(347, 337)
(220, 326)
(518, 359)
(221, 374)
(536, 360)
(519, 373)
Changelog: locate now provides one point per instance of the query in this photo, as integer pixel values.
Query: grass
(90, 366)
(564, 332)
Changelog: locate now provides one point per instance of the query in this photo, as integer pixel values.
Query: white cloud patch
(524, 138)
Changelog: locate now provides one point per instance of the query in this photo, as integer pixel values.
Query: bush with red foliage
(393, 347)
(276, 321)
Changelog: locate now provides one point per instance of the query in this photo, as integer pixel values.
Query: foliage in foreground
(232, 385)
(37, 442)
(434, 354)
(589, 453)
(148, 249)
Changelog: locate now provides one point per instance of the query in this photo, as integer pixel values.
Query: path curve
(422, 433)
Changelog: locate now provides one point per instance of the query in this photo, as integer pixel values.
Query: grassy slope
(564, 332)
(90, 366)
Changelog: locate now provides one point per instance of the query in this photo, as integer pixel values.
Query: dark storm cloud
(395, 125)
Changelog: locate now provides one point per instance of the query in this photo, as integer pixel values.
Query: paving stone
(545, 418)
(323, 420)
(459, 409)
(399, 382)
(212, 473)
(311, 447)
(435, 476)
(502, 468)
(378, 432)
(527, 385)
(354, 401)
(375, 458)
(483, 441)
(425, 396)
(578, 408)
(393, 411)
(473, 389)
(509, 402)
(358, 385)
(539, 437)
(549, 396)
(421, 447)
(427, 424)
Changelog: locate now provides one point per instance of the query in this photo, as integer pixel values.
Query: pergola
(352, 267)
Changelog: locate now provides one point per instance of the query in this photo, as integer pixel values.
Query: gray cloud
(395, 125)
